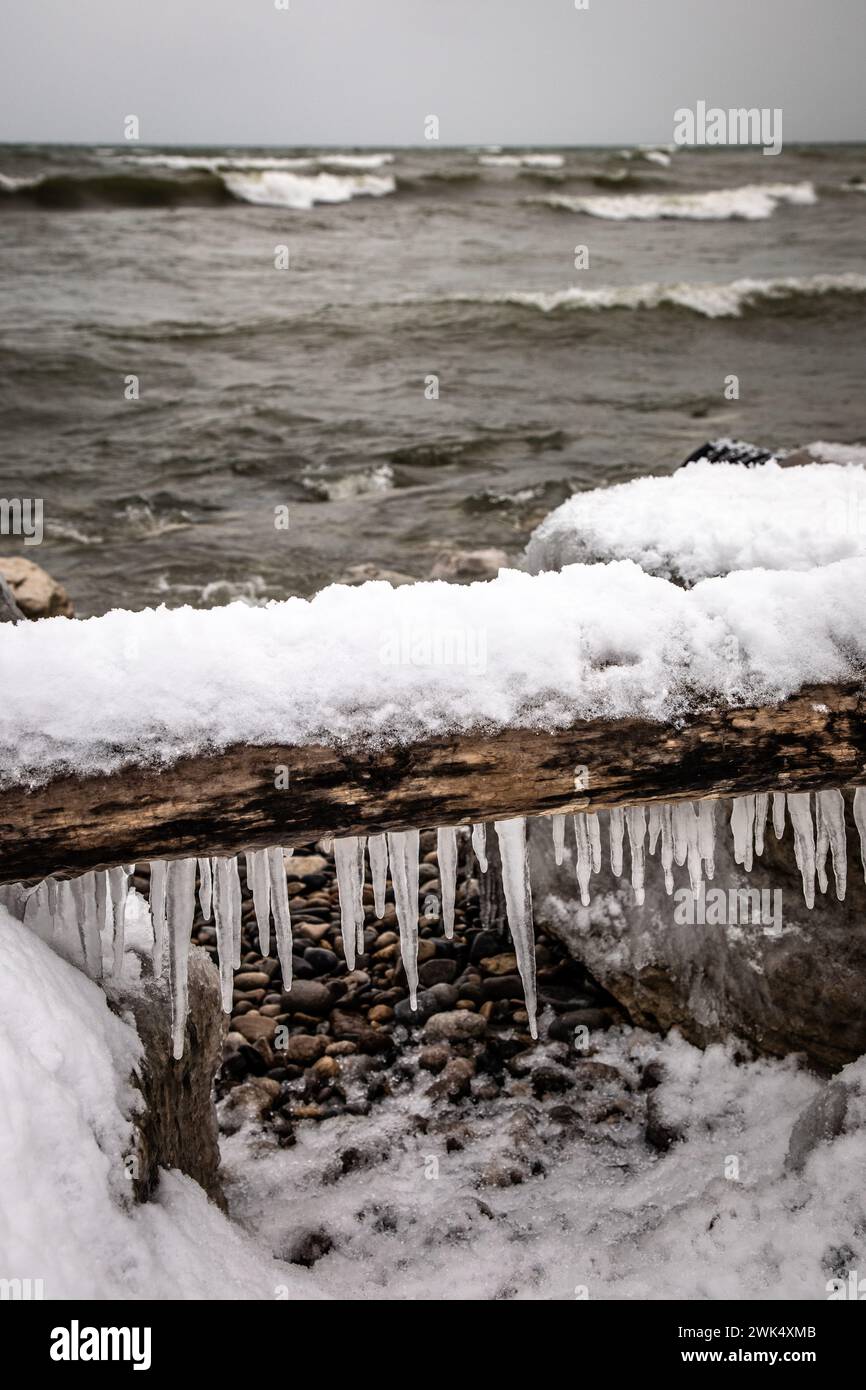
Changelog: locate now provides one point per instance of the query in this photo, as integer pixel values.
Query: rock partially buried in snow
(34, 590)
(469, 564)
(822, 1121)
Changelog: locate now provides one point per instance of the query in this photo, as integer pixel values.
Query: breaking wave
(522, 161)
(282, 189)
(752, 202)
(713, 301)
(272, 184)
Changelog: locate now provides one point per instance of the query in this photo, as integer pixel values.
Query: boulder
(33, 589)
(799, 991)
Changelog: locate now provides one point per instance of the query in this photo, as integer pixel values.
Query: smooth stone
(454, 1026)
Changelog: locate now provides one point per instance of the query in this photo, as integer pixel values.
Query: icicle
(654, 822)
(594, 840)
(157, 913)
(280, 909)
(822, 844)
(830, 807)
(860, 822)
(237, 910)
(685, 829)
(779, 814)
(446, 847)
(118, 888)
(403, 854)
(84, 894)
(635, 819)
(223, 918)
(377, 848)
(557, 825)
(102, 898)
(205, 887)
(518, 905)
(707, 835)
(800, 810)
(743, 830)
(479, 840)
(259, 882)
(41, 914)
(180, 910)
(584, 855)
(588, 836)
(762, 806)
(349, 861)
(660, 825)
(616, 830)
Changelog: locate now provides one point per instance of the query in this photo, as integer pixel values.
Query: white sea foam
(712, 300)
(12, 185)
(217, 163)
(340, 489)
(751, 202)
(281, 189)
(356, 161)
(522, 161)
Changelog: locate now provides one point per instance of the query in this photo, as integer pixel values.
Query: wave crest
(752, 202)
(713, 301)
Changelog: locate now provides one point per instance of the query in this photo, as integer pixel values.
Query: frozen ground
(559, 1195)
(645, 1169)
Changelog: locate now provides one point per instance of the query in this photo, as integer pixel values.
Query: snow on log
(231, 801)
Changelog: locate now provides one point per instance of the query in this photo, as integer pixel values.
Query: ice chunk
(259, 883)
(446, 847)
(616, 831)
(511, 835)
(205, 887)
(479, 840)
(377, 848)
(403, 855)
(800, 811)
(557, 825)
(157, 913)
(180, 910)
(635, 819)
(280, 909)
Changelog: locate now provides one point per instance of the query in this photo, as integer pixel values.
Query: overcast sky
(369, 71)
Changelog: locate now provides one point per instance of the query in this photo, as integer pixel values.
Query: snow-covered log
(220, 804)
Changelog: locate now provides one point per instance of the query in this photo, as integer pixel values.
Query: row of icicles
(74, 913)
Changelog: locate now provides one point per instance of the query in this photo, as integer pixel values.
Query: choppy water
(262, 388)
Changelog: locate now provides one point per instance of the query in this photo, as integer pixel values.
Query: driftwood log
(231, 801)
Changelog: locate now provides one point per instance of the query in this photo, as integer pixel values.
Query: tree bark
(231, 801)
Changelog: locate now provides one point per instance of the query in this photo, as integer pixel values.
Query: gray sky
(368, 71)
